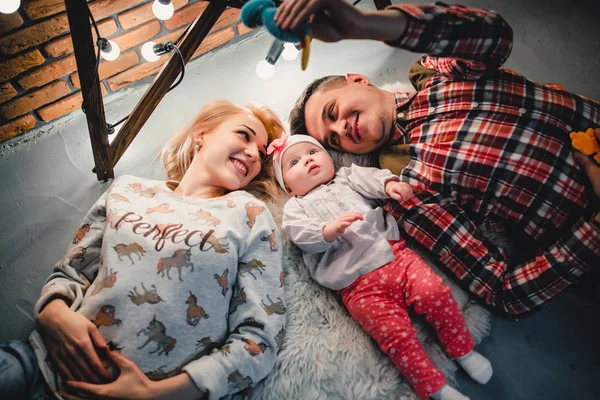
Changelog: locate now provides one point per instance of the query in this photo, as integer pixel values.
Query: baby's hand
(336, 228)
(398, 191)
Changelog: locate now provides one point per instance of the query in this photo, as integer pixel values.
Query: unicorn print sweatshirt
(177, 284)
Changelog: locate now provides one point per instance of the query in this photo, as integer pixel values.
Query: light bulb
(148, 52)
(9, 6)
(111, 52)
(163, 10)
(265, 69)
(290, 52)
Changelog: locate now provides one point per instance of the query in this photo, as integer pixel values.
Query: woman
(169, 289)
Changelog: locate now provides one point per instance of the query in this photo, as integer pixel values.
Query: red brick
(110, 68)
(143, 13)
(63, 106)
(16, 65)
(34, 100)
(8, 22)
(7, 92)
(147, 69)
(16, 127)
(243, 29)
(173, 36)
(138, 35)
(215, 40)
(185, 15)
(135, 74)
(229, 17)
(34, 35)
(48, 73)
(64, 45)
(104, 8)
(36, 9)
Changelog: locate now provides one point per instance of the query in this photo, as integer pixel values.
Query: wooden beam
(381, 4)
(85, 55)
(165, 78)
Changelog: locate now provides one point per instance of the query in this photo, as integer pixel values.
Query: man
(480, 145)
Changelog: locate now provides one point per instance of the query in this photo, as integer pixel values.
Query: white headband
(279, 146)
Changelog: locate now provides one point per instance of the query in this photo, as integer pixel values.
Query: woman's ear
(198, 138)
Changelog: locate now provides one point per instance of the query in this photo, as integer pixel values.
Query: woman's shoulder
(134, 179)
(251, 206)
(131, 181)
(245, 197)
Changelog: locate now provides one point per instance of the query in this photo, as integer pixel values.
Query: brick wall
(38, 73)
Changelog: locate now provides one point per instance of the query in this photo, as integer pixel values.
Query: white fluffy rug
(326, 355)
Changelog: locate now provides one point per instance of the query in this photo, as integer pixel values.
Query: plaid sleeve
(443, 228)
(459, 41)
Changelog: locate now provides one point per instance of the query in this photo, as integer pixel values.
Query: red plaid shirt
(490, 147)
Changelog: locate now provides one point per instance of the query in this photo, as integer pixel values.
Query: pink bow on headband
(277, 146)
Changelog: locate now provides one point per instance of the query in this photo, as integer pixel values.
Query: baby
(352, 246)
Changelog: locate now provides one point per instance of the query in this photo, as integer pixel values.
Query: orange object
(586, 143)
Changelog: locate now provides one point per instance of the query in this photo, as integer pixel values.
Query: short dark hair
(297, 115)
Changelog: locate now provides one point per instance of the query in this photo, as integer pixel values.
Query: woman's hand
(591, 169)
(131, 383)
(73, 343)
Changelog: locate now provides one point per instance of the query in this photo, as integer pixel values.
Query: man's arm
(334, 20)
(443, 228)
(460, 40)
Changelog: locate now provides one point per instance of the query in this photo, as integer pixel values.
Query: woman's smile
(240, 165)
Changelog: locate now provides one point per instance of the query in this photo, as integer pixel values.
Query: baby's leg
(427, 293)
(380, 310)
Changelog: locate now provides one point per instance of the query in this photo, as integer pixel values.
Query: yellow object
(306, 52)
(586, 143)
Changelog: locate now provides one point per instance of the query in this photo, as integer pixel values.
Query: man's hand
(329, 20)
(398, 191)
(336, 228)
(335, 20)
(591, 169)
(73, 343)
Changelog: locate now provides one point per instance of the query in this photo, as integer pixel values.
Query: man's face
(353, 117)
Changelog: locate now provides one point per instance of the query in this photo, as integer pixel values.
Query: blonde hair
(177, 154)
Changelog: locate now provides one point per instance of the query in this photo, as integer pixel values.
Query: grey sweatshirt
(178, 284)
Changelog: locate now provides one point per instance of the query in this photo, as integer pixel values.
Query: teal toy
(257, 13)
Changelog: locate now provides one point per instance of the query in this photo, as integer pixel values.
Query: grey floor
(554, 354)
(47, 185)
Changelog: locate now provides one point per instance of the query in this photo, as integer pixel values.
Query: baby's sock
(448, 393)
(477, 366)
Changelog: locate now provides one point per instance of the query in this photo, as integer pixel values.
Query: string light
(290, 51)
(264, 69)
(109, 50)
(9, 6)
(163, 9)
(148, 52)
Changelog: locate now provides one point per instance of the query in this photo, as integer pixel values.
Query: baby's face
(305, 166)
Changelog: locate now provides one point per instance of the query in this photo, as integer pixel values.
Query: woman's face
(233, 152)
